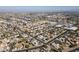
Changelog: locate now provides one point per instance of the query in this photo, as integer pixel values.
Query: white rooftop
(59, 25)
(71, 28)
(53, 23)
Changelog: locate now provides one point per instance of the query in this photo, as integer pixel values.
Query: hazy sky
(37, 8)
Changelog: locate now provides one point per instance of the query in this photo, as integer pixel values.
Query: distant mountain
(39, 9)
(75, 10)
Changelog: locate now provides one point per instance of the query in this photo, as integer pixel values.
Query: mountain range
(39, 8)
